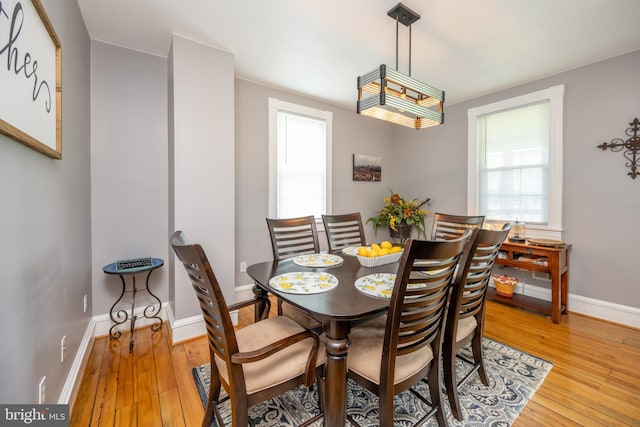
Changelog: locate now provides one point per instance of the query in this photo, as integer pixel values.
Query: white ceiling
(465, 47)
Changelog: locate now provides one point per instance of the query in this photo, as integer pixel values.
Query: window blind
(301, 165)
(514, 164)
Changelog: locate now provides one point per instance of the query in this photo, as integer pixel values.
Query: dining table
(338, 306)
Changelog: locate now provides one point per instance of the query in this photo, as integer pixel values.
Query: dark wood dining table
(338, 309)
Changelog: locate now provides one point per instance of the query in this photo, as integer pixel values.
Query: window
(515, 161)
(299, 160)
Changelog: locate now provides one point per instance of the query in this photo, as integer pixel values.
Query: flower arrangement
(398, 211)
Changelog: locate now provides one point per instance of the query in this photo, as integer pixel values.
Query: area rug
(514, 377)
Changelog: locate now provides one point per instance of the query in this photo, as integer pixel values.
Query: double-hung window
(299, 160)
(515, 161)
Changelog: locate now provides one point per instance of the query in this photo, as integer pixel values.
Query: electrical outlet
(243, 267)
(85, 303)
(41, 390)
(62, 348)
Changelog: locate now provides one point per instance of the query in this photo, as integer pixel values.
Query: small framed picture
(367, 168)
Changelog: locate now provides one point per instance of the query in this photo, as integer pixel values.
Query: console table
(150, 311)
(551, 260)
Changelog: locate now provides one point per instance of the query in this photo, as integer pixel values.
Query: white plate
(304, 282)
(351, 250)
(318, 260)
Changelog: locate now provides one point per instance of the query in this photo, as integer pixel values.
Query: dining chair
(257, 362)
(390, 354)
(291, 237)
(344, 230)
(465, 318)
(446, 226)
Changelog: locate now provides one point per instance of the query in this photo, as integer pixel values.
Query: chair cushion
(466, 326)
(365, 353)
(279, 367)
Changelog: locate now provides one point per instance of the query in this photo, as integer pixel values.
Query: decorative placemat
(318, 260)
(304, 282)
(350, 250)
(378, 285)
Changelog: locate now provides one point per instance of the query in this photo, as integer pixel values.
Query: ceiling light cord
(397, 21)
(409, 50)
(397, 36)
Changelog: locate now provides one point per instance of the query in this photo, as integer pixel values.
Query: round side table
(121, 316)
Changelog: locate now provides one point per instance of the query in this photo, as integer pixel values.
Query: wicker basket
(504, 285)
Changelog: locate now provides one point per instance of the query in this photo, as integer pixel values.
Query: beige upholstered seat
(291, 237)
(258, 362)
(391, 354)
(344, 230)
(447, 226)
(465, 318)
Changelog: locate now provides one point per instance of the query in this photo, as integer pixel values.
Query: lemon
(395, 249)
(384, 251)
(375, 247)
(386, 244)
(362, 251)
(374, 252)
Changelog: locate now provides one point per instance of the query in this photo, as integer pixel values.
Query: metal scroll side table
(121, 316)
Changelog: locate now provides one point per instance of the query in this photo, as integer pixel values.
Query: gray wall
(351, 134)
(202, 166)
(45, 263)
(129, 167)
(601, 203)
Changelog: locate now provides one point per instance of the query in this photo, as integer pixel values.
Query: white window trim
(555, 96)
(276, 105)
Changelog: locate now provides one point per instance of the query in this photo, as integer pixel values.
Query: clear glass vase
(402, 234)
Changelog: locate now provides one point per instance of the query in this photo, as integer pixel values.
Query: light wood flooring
(595, 380)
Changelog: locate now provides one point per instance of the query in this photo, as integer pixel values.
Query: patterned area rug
(514, 377)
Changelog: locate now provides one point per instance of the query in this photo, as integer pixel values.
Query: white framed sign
(30, 77)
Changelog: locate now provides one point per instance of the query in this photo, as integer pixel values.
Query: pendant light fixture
(390, 95)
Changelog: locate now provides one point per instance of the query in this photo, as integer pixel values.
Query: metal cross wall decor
(631, 147)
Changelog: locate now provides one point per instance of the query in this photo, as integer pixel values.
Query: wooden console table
(551, 260)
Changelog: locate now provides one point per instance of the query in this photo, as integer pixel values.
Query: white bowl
(366, 261)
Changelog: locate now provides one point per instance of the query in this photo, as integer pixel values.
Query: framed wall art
(367, 167)
(30, 77)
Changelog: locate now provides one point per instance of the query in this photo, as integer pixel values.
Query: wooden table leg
(556, 291)
(262, 308)
(336, 343)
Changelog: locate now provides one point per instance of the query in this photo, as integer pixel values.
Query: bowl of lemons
(379, 254)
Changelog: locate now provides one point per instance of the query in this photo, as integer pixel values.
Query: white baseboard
(244, 292)
(104, 323)
(186, 329)
(617, 313)
(609, 311)
(193, 327)
(70, 387)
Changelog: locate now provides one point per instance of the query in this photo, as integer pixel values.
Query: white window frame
(275, 106)
(555, 96)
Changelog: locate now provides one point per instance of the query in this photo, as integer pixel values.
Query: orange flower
(398, 211)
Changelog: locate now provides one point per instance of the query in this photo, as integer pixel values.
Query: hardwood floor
(595, 380)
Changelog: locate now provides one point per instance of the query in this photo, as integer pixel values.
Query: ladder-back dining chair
(465, 318)
(344, 230)
(257, 362)
(291, 237)
(392, 353)
(447, 226)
